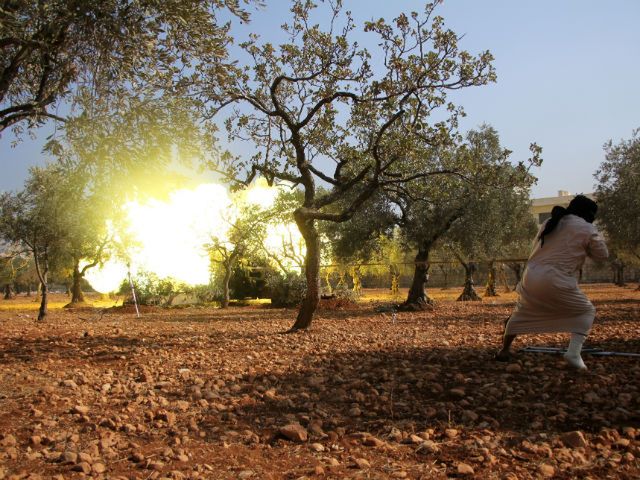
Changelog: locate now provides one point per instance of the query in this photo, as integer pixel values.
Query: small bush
(286, 290)
(206, 293)
(152, 290)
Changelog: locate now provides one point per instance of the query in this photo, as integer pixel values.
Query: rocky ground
(205, 393)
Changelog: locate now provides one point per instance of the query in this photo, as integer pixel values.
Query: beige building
(541, 207)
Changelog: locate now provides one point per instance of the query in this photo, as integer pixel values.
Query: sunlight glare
(169, 235)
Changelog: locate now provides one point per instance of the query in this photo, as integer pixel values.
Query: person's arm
(596, 247)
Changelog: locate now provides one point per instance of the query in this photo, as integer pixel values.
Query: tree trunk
(76, 290)
(28, 289)
(517, 270)
(42, 313)
(417, 299)
(445, 277)
(618, 272)
(503, 278)
(357, 283)
(469, 293)
(309, 304)
(490, 290)
(225, 286)
(8, 292)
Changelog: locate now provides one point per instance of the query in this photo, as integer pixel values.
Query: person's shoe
(575, 361)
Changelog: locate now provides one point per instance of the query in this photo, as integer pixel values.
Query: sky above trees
(566, 77)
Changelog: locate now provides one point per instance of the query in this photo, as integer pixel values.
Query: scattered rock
(464, 469)
(294, 432)
(573, 439)
(361, 463)
(83, 467)
(546, 470)
(514, 368)
(80, 409)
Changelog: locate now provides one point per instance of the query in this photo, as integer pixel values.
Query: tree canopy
(60, 54)
(618, 194)
(321, 112)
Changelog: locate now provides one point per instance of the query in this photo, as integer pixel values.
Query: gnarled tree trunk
(8, 292)
(418, 299)
(469, 293)
(310, 302)
(76, 284)
(490, 290)
(516, 267)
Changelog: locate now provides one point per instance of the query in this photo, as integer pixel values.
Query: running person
(549, 299)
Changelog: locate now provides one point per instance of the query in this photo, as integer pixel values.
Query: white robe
(549, 299)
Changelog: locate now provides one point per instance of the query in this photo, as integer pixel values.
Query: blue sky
(567, 70)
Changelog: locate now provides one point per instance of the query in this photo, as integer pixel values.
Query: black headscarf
(580, 206)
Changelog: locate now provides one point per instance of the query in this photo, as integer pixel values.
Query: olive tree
(25, 221)
(618, 194)
(497, 215)
(322, 110)
(89, 55)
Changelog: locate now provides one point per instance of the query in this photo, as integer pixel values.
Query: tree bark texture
(469, 293)
(42, 269)
(618, 273)
(503, 278)
(517, 270)
(8, 292)
(76, 288)
(44, 300)
(310, 302)
(226, 296)
(490, 290)
(418, 299)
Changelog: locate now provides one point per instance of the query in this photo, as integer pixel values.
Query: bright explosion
(170, 236)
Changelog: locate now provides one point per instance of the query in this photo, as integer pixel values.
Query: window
(542, 217)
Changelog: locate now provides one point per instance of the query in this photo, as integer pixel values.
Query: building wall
(541, 207)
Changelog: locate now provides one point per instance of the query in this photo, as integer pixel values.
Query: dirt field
(206, 393)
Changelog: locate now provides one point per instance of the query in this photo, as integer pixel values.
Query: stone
(317, 447)
(294, 432)
(573, 439)
(513, 368)
(361, 463)
(168, 417)
(69, 457)
(355, 412)
(546, 470)
(8, 441)
(81, 409)
(318, 470)
(464, 469)
(137, 457)
(429, 446)
(451, 433)
(457, 392)
(85, 457)
(245, 474)
(99, 467)
(83, 467)
(372, 442)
